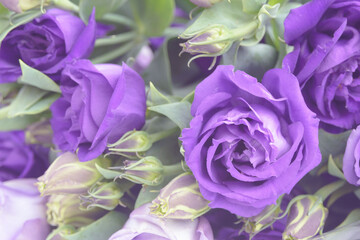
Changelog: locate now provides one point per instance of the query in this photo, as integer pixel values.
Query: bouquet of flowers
(179, 119)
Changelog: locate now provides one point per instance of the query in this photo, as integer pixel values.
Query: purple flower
(19, 160)
(46, 43)
(249, 143)
(23, 211)
(99, 104)
(351, 159)
(141, 225)
(326, 39)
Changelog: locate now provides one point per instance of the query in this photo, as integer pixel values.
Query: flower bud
(131, 143)
(306, 218)
(39, 133)
(264, 219)
(211, 42)
(103, 195)
(66, 210)
(67, 175)
(22, 5)
(205, 3)
(147, 171)
(180, 199)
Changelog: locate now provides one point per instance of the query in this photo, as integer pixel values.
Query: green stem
(114, 54)
(163, 134)
(66, 4)
(115, 39)
(173, 170)
(115, 18)
(327, 190)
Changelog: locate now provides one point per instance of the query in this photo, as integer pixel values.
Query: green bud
(103, 195)
(67, 175)
(147, 171)
(180, 199)
(66, 210)
(210, 42)
(306, 218)
(131, 143)
(264, 219)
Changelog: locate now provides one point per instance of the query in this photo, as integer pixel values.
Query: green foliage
(152, 17)
(100, 229)
(102, 7)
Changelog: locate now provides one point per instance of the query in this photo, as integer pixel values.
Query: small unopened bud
(264, 219)
(67, 175)
(131, 143)
(205, 3)
(66, 210)
(147, 171)
(103, 195)
(23, 5)
(39, 133)
(180, 199)
(212, 42)
(306, 218)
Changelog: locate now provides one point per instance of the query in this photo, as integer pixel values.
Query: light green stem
(173, 170)
(327, 190)
(163, 134)
(115, 18)
(66, 4)
(115, 39)
(114, 54)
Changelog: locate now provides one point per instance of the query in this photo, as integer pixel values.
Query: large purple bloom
(46, 43)
(249, 143)
(19, 160)
(351, 160)
(326, 39)
(23, 211)
(99, 104)
(141, 225)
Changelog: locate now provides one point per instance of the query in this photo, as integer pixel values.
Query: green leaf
(159, 72)
(152, 17)
(332, 144)
(6, 88)
(107, 173)
(102, 229)
(178, 112)
(263, 57)
(31, 100)
(102, 7)
(334, 169)
(33, 77)
(155, 97)
(17, 20)
(18, 123)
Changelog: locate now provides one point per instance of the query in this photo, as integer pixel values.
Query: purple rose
(326, 39)
(99, 104)
(249, 143)
(19, 160)
(141, 225)
(351, 159)
(46, 43)
(23, 211)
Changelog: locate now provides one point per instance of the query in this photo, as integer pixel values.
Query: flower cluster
(109, 131)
